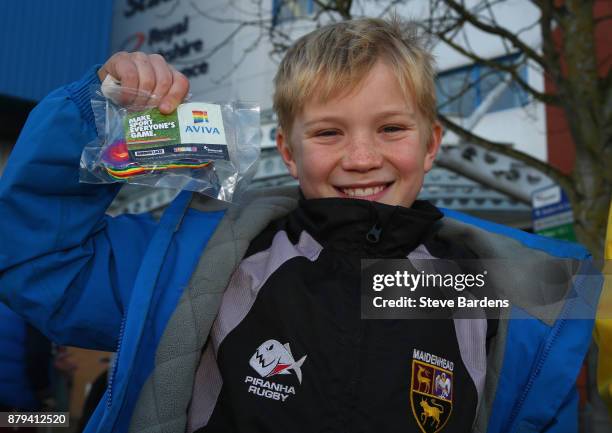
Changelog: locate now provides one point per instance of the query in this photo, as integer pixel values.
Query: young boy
(246, 318)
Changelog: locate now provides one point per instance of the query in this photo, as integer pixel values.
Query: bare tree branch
(496, 30)
(324, 6)
(543, 97)
(549, 49)
(601, 19)
(240, 25)
(342, 7)
(562, 179)
(246, 51)
(494, 22)
(391, 5)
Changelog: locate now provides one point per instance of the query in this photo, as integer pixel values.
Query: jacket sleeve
(64, 265)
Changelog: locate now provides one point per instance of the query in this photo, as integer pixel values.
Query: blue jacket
(89, 280)
(16, 389)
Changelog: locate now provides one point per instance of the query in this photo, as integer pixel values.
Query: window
(460, 91)
(287, 10)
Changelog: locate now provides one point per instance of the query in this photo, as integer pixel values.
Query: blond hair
(334, 59)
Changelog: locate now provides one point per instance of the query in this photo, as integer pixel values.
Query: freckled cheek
(315, 171)
(407, 165)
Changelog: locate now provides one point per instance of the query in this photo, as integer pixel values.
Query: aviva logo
(199, 116)
(203, 129)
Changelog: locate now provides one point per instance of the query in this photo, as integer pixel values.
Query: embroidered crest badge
(431, 393)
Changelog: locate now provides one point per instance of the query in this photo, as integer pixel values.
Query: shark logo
(272, 358)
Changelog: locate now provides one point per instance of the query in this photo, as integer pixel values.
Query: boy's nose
(362, 155)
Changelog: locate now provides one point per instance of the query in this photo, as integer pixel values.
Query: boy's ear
(434, 145)
(282, 144)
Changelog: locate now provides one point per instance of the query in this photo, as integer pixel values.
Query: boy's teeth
(362, 192)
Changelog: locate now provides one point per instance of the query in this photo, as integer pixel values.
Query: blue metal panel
(44, 44)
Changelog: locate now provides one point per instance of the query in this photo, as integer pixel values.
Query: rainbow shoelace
(117, 162)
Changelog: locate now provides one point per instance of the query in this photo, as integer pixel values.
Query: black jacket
(289, 351)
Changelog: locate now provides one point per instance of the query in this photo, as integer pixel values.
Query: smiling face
(370, 144)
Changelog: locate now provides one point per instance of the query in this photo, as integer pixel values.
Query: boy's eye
(327, 133)
(392, 128)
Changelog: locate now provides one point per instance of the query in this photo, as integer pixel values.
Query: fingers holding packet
(146, 80)
(148, 133)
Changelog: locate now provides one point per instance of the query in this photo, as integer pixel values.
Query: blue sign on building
(552, 213)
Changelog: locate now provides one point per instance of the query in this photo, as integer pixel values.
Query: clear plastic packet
(203, 147)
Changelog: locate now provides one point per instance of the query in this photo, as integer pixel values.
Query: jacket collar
(363, 227)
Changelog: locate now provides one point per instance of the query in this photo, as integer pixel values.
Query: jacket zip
(373, 236)
(111, 377)
(551, 342)
(168, 225)
(540, 363)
